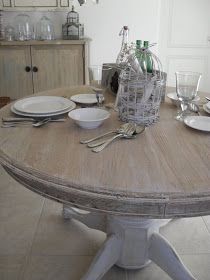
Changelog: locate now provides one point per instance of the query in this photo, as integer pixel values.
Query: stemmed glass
(98, 84)
(187, 84)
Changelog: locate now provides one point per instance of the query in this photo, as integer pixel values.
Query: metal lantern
(71, 29)
(141, 86)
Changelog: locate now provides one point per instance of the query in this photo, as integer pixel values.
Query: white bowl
(174, 98)
(89, 118)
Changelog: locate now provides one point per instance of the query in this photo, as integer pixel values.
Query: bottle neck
(125, 36)
(146, 44)
(138, 44)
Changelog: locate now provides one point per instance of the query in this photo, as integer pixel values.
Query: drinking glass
(187, 84)
(9, 33)
(98, 76)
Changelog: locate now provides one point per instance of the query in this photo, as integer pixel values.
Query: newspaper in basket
(140, 92)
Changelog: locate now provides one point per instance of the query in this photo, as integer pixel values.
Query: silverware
(138, 129)
(207, 98)
(40, 123)
(9, 125)
(14, 122)
(44, 121)
(11, 119)
(126, 134)
(14, 119)
(119, 130)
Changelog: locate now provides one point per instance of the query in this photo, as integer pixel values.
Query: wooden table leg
(132, 243)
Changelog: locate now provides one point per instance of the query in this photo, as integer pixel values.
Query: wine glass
(187, 84)
(97, 77)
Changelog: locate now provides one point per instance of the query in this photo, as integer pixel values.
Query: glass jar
(23, 28)
(9, 33)
(45, 29)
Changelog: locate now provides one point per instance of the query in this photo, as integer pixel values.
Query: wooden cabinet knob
(35, 69)
(27, 68)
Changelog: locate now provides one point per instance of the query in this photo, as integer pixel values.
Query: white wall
(104, 21)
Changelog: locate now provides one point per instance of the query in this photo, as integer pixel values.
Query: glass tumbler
(9, 33)
(187, 84)
(98, 75)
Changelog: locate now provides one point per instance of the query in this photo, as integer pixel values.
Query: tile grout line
(27, 258)
(206, 225)
(126, 275)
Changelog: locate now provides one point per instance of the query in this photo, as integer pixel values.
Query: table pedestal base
(132, 243)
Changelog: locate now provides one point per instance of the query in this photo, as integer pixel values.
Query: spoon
(207, 98)
(118, 130)
(138, 129)
(127, 133)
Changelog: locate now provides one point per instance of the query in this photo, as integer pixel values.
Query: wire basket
(141, 91)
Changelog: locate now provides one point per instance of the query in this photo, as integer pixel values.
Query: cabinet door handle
(27, 68)
(35, 69)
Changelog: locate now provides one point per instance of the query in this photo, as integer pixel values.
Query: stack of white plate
(42, 106)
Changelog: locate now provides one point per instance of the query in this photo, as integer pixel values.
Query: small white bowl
(89, 118)
(174, 98)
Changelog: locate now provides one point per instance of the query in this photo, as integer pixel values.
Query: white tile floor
(36, 243)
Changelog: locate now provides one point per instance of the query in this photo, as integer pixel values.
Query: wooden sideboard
(32, 5)
(34, 66)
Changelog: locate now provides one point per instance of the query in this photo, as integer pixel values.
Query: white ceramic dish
(43, 115)
(206, 109)
(89, 118)
(174, 99)
(208, 105)
(85, 98)
(198, 122)
(42, 104)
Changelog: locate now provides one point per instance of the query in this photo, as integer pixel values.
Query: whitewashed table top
(164, 172)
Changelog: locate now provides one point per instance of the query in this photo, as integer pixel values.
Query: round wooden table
(128, 190)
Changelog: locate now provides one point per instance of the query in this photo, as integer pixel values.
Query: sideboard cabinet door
(15, 71)
(57, 66)
(35, 3)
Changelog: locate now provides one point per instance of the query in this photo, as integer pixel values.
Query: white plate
(42, 104)
(73, 106)
(86, 98)
(206, 109)
(198, 122)
(208, 105)
(174, 98)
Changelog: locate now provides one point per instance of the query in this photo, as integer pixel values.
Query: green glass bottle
(147, 58)
(138, 44)
(138, 52)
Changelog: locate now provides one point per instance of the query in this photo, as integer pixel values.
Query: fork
(13, 122)
(42, 122)
(118, 130)
(127, 134)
